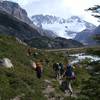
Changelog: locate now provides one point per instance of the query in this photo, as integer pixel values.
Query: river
(82, 56)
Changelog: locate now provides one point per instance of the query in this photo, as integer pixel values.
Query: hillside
(53, 43)
(12, 26)
(87, 36)
(15, 10)
(21, 82)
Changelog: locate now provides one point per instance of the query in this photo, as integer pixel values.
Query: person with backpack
(69, 76)
(39, 69)
(61, 68)
(56, 70)
(29, 51)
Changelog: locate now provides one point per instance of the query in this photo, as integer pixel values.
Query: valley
(21, 82)
(75, 50)
(30, 47)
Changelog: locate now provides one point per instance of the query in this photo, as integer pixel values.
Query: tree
(95, 11)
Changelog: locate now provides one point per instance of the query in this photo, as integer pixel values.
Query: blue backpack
(69, 72)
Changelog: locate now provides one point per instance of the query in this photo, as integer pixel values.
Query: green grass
(22, 81)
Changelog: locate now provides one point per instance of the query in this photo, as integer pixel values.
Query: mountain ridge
(87, 36)
(15, 10)
(62, 27)
(11, 25)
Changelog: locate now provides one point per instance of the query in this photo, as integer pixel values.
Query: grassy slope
(21, 80)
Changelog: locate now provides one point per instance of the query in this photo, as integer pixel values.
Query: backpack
(73, 77)
(56, 66)
(70, 73)
(61, 66)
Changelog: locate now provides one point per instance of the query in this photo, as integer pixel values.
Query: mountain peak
(66, 28)
(74, 18)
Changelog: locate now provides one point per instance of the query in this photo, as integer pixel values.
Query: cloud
(63, 8)
(53, 7)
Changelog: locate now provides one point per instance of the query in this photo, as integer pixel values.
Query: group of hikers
(61, 72)
(66, 74)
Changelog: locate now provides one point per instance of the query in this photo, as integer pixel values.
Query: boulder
(6, 63)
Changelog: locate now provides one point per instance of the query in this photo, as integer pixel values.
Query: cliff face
(15, 10)
(12, 26)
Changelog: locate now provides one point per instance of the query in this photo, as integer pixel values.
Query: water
(83, 56)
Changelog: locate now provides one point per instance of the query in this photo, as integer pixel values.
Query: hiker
(39, 69)
(29, 51)
(61, 67)
(69, 76)
(56, 70)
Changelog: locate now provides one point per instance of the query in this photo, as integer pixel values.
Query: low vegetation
(21, 81)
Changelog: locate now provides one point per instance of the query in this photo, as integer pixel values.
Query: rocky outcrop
(12, 26)
(15, 10)
(6, 63)
(21, 42)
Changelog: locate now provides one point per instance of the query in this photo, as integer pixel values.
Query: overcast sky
(61, 8)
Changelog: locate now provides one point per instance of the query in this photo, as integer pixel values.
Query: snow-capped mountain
(67, 28)
(87, 36)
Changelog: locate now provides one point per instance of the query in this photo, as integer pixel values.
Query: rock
(15, 10)
(33, 64)
(7, 63)
(47, 81)
(49, 90)
(21, 42)
(18, 97)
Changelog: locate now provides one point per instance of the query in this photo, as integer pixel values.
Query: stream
(82, 56)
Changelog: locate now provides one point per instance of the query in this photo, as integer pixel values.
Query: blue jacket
(68, 71)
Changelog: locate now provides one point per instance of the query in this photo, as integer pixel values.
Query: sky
(60, 8)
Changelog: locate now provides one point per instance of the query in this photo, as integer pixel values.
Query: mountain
(12, 26)
(67, 28)
(53, 43)
(87, 36)
(24, 32)
(97, 30)
(15, 10)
